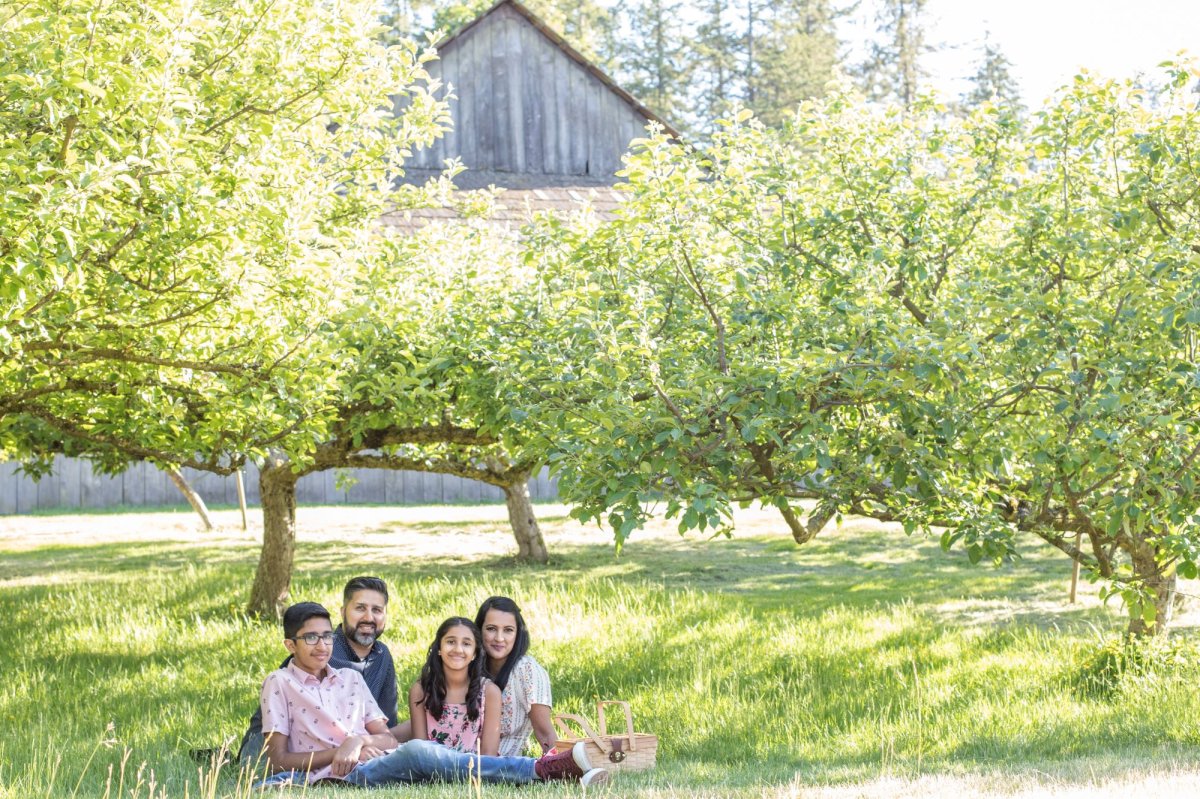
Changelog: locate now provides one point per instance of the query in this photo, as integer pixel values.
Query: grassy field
(863, 664)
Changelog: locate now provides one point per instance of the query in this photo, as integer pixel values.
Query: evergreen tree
(796, 57)
(714, 65)
(651, 55)
(586, 25)
(448, 17)
(892, 71)
(408, 19)
(993, 81)
(401, 19)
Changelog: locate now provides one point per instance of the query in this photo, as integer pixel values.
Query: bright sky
(1047, 41)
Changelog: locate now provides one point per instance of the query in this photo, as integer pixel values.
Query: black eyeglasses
(312, 638)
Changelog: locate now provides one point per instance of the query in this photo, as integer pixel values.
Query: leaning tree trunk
(273, 580)
(1159, 581)
(194, 499)
(530, 545)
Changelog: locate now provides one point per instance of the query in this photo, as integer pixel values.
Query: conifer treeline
(695, 61)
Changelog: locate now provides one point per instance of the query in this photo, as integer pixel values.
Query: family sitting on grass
(328, 714)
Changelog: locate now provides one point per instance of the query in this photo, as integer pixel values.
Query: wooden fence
(73, 485)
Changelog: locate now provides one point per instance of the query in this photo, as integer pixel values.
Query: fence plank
(47, 490)
(393, 488)
(452, 488)
(133, 485)
(160, 490)
(73, 484)
(413, 481)
(371, 485)
(431, 488)
(470, 490)
(8, 488)
(96, 490)
(310, 490)
(333, 494)
(26, 493)
(69, 486)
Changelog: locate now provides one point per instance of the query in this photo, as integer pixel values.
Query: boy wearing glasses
(322, 724)
(355, 646)
(310, 710)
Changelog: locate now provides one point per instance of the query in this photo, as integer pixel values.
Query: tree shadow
(903, 618)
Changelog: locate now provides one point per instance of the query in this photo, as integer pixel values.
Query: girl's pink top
(454, 729)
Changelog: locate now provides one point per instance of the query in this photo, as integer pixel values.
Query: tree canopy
(184, 188)
(407, 361)
(981, 326)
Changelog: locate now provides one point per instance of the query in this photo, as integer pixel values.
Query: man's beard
(364, 634)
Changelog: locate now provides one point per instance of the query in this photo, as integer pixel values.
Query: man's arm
(380, 740)
(389, 697)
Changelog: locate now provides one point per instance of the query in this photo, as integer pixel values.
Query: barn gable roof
(524, 102)
(562, 44)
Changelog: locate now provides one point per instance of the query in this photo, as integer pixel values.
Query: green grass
(761, 666)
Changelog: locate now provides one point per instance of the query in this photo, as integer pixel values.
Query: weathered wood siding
(73, 485)
(523, 105)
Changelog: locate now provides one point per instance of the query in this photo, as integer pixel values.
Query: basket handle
(588, 732)
(628, 720)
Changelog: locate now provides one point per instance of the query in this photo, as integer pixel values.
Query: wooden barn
(531, 116)
(528, 107)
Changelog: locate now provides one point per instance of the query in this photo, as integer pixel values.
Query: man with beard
(355, 646)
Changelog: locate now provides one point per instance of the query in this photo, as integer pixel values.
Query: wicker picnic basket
(622, 751)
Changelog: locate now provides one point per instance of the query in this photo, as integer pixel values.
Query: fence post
(1075, 567)
(241, 489)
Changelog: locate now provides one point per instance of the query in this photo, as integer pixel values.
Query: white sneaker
(579, 755)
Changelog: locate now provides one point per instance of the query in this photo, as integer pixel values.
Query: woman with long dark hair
(453, 703)
(524, 685)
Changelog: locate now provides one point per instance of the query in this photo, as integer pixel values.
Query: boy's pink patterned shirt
(317, 714)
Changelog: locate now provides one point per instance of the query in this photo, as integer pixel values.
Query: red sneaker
(572, 765)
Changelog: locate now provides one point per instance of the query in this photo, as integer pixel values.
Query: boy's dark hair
(295, 616)
(364, 584)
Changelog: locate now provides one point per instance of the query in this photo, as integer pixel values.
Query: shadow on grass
(873, 630)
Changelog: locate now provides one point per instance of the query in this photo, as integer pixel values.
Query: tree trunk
(530, 545)
(1161, 586)
(194, 499)
(273, 580)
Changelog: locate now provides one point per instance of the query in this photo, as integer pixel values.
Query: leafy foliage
(974, 325)
(184, 188)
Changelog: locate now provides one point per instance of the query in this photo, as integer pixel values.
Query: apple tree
(984, 326)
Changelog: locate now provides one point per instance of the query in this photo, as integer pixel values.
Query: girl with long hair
(453, 703)
(523, 684)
